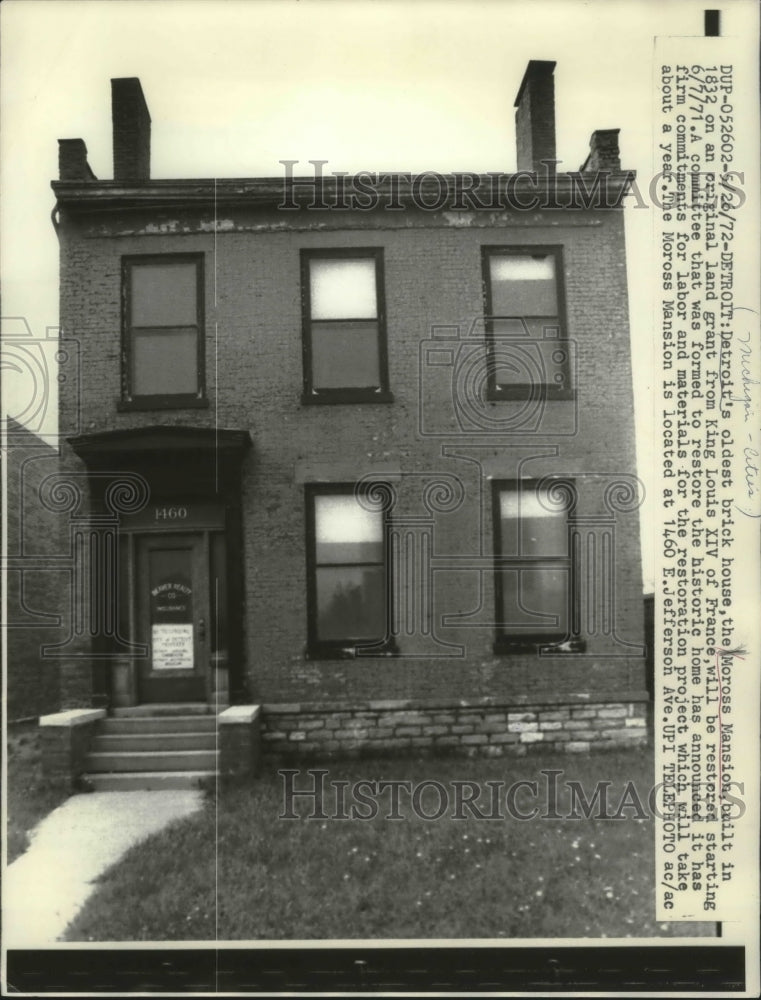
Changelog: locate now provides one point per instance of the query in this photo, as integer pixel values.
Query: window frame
(349, 648)
(526, 641)
(161, 401)
(347, 394)
(521, 391)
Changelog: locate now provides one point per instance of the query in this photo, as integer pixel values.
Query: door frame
(198, 519)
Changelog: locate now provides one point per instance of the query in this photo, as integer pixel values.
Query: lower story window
(347, 571)
(534, 574)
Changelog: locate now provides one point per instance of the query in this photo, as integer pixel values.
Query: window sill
(347, 651)
(331, 397)
(523, 392)
(161, 403)
(538, 644)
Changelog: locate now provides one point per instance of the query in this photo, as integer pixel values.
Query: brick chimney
(535, 115)
(132, 130)
(72, 161)
(603, 152)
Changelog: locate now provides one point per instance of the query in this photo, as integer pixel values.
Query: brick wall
(432, 278)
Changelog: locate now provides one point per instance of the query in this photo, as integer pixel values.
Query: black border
(531, 970)
(348, 394)
(166, 401)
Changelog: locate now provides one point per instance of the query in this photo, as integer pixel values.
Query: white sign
(172, 647)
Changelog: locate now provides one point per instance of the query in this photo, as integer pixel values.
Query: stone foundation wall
(312, 732)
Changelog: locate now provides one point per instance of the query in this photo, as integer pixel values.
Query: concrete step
(174, 708)
(112, 742)
(149, 781)
(153, 760)
(112, 726)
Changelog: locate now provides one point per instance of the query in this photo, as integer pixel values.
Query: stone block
(239, 734)
(66, 739)
(624, 735)
(612, 712)
(555, 714)
(531, 737)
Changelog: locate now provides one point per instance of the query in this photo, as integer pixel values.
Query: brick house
(357, 453)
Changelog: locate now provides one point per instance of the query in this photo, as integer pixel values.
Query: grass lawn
(235, 871)
(30, 798)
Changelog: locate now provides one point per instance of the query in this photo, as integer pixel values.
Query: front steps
(165, 709)
(152, 747)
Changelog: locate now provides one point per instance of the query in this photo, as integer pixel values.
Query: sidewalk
(45, 888)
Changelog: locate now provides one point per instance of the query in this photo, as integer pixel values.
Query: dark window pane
(535, 601)
(513, 328)
(350, 603)
(164, 295)
(343, 289)
(522, 285)
(164, 362)
(333, 553)
(345, 355)
(538, 363)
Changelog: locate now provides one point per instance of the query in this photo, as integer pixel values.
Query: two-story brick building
(358, 451)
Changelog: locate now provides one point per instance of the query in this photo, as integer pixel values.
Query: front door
(172, 616)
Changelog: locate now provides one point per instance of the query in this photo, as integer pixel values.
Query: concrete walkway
(45, 888)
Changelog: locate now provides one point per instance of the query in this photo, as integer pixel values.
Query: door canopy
(202, 461)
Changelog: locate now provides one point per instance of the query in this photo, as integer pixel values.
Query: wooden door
(172, 611)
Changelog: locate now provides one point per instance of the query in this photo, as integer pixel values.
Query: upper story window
(527, 344)
(534, 572)
(162, 348)
(344, 327)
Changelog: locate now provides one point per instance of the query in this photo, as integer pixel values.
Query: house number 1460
(171, 513)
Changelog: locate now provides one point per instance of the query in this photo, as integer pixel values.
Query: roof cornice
(471, 191)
